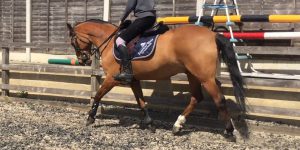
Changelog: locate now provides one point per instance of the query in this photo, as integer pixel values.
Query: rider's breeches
(136, 28)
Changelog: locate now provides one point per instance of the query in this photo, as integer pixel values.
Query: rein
(107, 40)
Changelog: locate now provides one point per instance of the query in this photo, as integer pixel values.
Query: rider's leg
(126, 74)
(137, 27)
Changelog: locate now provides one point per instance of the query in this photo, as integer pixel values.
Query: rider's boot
(126, 74)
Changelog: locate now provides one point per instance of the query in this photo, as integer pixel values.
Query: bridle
(86, 56)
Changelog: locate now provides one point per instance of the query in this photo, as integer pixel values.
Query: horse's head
(82, 46)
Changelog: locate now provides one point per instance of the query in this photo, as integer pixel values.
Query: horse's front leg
(138, 93)
(106, 86)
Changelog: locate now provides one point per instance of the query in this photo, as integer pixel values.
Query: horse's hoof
(151, 128)
(90, 121)
(229, 136)
(147, 121)
(176, 130)
(148, 126)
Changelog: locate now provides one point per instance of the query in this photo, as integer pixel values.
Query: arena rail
(268, 98)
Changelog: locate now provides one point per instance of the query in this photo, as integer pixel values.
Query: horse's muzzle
(85, 62)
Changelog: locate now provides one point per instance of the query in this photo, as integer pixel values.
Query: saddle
(143, 45)
(157, 29)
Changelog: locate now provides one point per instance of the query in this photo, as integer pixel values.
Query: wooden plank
(252, 81)
(12, 20)
(64, 78)
(85, 9)
(55, 69)
(275, 111)
(36, 45)
(66, 21)
(266, 82)
(265, 50)
(5, 72)
(1, 21)
(271, 76)
(44, 90)
(48, 11)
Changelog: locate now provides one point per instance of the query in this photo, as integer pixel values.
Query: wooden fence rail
(92, 71)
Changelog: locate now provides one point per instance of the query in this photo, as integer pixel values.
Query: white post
(174, 8)
(28, 29)
(199, 11)
(106, 11)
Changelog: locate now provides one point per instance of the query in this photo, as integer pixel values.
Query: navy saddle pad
(140, 49)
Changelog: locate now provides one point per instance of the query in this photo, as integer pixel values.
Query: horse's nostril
(80, 62)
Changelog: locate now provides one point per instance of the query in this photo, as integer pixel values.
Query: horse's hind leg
(196, 96)
(138, 93)
(219, 99)
(106, 86)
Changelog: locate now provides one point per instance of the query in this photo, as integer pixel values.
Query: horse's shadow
(132, 122)
(132, 117)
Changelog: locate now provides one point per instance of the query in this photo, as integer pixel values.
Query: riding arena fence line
(274, 99)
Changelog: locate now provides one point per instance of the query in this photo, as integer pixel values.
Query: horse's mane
(95, 21)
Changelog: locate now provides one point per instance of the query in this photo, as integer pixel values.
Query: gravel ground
(28, 125)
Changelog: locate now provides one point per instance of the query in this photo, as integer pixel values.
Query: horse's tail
(228, 55)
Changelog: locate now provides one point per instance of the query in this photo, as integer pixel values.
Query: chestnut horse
(188, 49)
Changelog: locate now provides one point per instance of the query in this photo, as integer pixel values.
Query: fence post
(28, 28)
(5, 71)
(95, 79)
(106, 10)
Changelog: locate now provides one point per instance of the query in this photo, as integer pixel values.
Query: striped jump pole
(63, 61)
(263, 35)
(233, 18)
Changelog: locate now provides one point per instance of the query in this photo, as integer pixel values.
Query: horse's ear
(71, 30)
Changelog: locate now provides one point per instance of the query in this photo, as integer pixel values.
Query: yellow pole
(222, 19)
(174, 20)
(284, 18)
